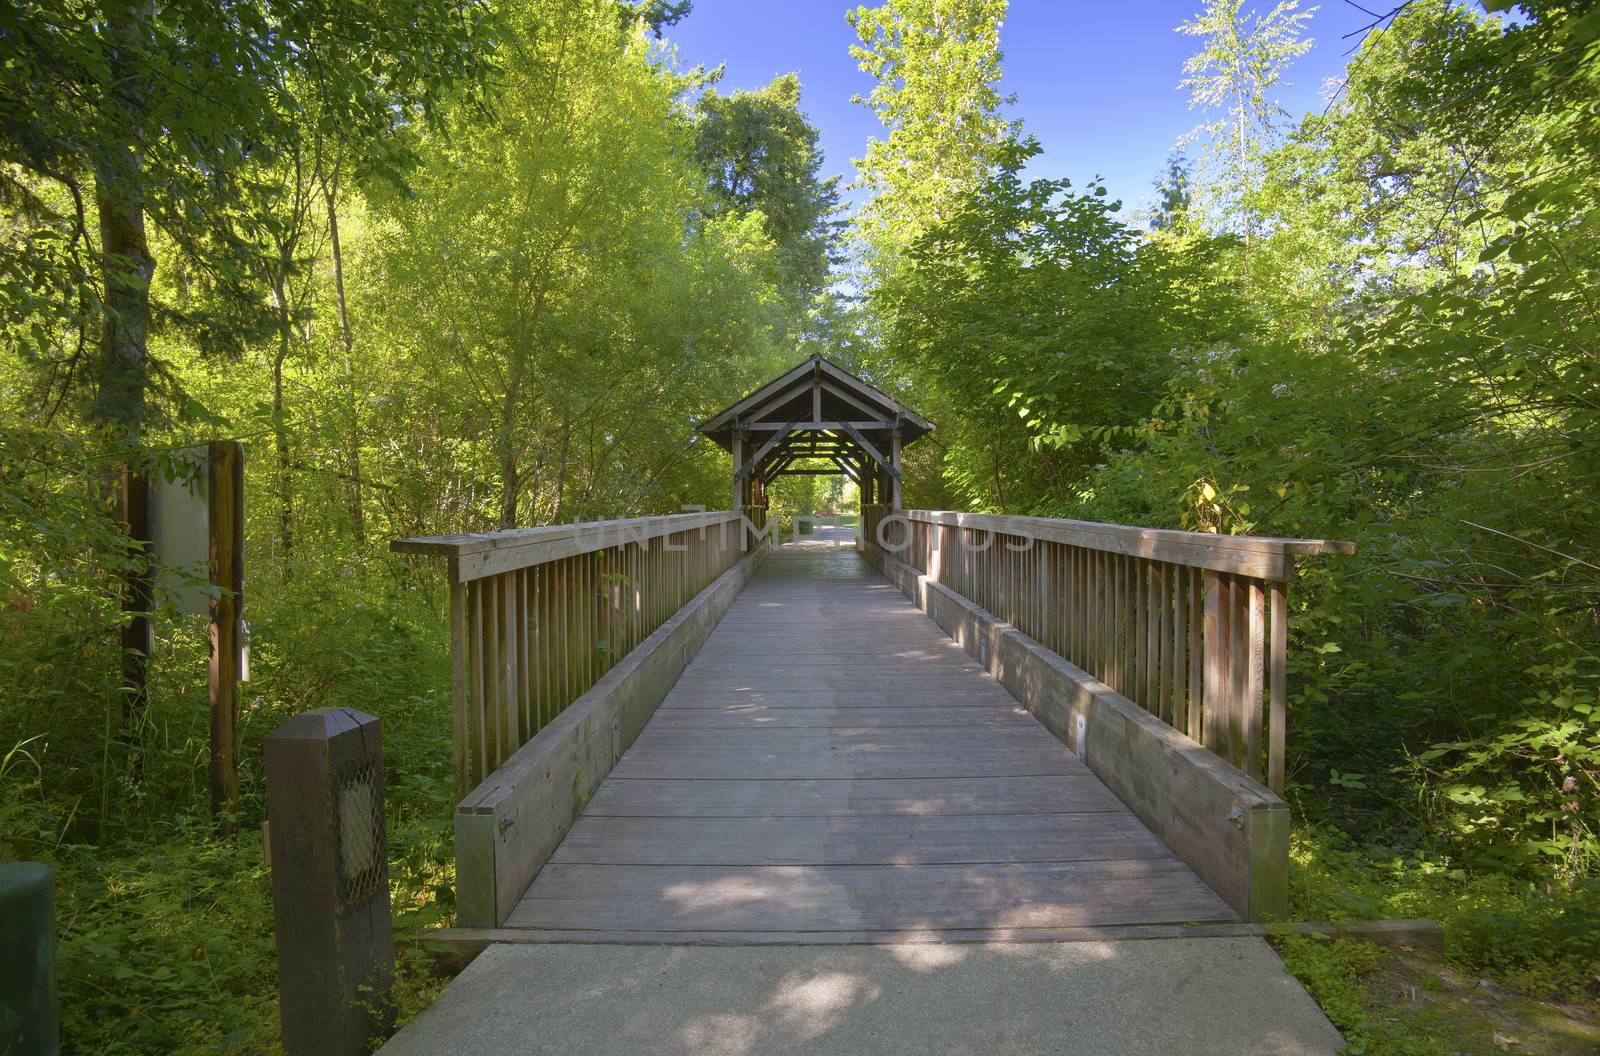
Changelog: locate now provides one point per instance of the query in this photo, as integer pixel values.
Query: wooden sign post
(197, 523)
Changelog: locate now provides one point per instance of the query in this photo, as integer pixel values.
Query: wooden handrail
(538, 615)
(1261, 556)
(1192, 627)
(480, 554)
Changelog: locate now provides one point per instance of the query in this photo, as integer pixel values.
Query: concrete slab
(1177, 997)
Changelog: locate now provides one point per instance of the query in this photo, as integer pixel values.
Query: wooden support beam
(894, 454)
(819, 425)
(866, 445)
(839, 392)
(762, 451)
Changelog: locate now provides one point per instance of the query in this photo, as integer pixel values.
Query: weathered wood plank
(857, 840)
(798, 798)
(753, 716)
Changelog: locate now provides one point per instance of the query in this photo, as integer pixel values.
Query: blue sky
(1097, 83)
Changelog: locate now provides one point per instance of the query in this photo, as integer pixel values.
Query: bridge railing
(1190, 626)
(539, 615)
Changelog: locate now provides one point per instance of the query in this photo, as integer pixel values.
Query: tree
(1075, 314)
(568, 297)
(132, 118)
(1241, 63)
(1173, 194)
(760, 155)
(937, 64)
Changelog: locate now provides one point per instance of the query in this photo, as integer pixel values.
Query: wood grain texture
(832, 764)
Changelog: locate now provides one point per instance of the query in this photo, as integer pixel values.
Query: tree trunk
(510, 478)
(123, 368)
(353, 455)
(280, 426)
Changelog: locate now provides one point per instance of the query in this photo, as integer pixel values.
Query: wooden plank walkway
(833, 768)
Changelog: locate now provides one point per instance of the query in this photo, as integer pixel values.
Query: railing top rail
(1262, 556)
(478, 554)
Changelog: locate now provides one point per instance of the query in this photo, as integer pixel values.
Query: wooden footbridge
(929, 726)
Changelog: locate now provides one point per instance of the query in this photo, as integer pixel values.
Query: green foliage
(1074, 314)
(1380, 327)
(1241, 62)
(1539, 935)
(175, 114)
(556, 223)
(760, 154)
(937, 67)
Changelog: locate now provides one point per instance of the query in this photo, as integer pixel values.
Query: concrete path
(1161, 997)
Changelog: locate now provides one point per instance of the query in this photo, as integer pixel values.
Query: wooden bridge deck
(833, 768)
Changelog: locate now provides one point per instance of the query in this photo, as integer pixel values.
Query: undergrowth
(166, 928)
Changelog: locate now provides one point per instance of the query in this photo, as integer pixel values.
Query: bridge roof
(818, 395)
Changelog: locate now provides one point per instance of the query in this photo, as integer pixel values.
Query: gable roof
(795, 395)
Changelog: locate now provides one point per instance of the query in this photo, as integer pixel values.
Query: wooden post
(894, 460)
(460, 702)
(738, 460)
(1277, 686)
(29, 1016)
(330, 881)
(1254, 642)
(225, 531)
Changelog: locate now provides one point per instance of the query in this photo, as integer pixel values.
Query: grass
(1403, 1002)
(165, 928)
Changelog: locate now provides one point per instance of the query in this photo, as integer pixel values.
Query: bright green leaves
(937, 67)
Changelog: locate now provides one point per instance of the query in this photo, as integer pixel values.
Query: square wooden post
(330, 881)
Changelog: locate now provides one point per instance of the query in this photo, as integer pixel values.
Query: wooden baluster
(536, 659)
(508, 665)
(524, 722)
(1119, 604)
(492, 637)
(460, 699)
(564, 584)
(1140, 663)
(1239, 670)
(593, 618)
(1130, 626)
(1086, 613)
(1196, 651)
(1277, 687)
(1080, 562)
(1161, 642)
(1097, 617)
(1181, 616)
(1216, 662)
(480, 663)
(1255, 642)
